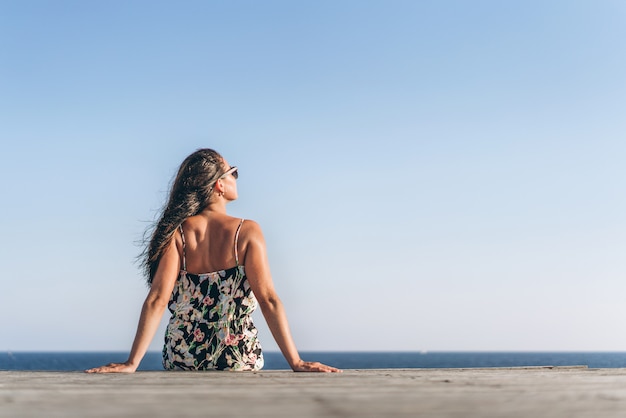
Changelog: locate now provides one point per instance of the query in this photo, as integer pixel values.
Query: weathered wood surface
(460, 393)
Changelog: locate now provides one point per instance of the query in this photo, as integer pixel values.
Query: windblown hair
(190, 194)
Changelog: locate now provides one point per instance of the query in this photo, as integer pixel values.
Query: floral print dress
(211, 327)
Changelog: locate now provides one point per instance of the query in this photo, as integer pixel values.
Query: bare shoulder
(251, 240)
(251, 230)
(177, 240)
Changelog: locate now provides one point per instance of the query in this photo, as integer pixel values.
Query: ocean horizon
(76, 361)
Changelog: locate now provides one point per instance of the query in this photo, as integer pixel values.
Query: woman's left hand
(113, 368)
(314, 366)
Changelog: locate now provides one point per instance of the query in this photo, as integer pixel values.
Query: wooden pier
(567, 392)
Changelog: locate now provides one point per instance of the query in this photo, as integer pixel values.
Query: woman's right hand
(314, 366)
(114, 368)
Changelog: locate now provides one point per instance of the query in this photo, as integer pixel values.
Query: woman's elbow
(156, 301)
(269, 302)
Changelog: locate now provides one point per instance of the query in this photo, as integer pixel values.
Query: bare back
(209, 242)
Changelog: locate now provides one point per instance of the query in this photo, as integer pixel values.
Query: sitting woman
(211, 271)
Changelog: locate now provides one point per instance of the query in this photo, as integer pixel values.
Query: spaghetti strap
(182, 235)
(236, 239)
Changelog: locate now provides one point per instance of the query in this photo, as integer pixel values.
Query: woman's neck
(216, 207)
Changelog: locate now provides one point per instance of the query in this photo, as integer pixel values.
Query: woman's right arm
(151, 312)
(260, 279)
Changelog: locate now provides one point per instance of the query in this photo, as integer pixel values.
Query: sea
(76, 361)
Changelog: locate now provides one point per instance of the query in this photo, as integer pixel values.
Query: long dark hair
(190, 193)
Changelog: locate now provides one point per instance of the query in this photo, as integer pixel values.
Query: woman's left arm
(151, 312)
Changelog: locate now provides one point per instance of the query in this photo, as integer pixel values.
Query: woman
(210, 327)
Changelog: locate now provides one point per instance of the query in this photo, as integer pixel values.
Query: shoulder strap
(236, 239)
(182, 235)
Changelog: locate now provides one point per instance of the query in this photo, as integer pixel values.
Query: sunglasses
(233, 170)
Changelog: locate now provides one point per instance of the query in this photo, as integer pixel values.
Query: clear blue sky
(430, 175)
